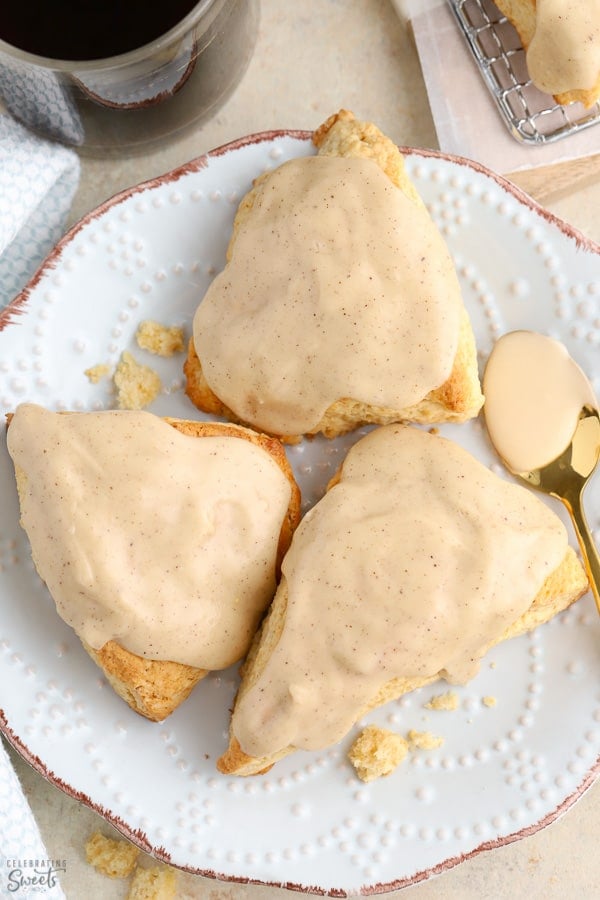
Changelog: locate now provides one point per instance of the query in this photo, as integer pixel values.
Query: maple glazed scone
(562, 43)
(416, 561)
(160, 540)
(339, 304)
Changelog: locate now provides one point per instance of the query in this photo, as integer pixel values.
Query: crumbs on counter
(377, 752)
(97, 373)
(119, 859)
(137, 385)
(447, 701)
(114, 858)
(164, 340)
(153, 883)
(423, 740)
(489, 701)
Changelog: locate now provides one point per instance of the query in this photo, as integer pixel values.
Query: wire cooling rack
(531, 116)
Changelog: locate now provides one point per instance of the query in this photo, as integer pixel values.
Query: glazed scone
(416, 561)
(562, 43)
(160, 541)
(339, 305)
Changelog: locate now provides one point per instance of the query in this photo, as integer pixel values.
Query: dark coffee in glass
(108, 76)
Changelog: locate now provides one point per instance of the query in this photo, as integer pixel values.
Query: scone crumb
(489, 701)
(97, 372)
(447, 701)
(377, 752)
(153, 883)
(114, 858)
(423, 740)
(137, 385)
(164, 340)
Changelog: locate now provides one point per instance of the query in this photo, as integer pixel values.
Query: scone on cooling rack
(160, 540)
(416, 561)
(562, 44)
(339, 305)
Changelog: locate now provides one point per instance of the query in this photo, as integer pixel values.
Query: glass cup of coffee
(119, 76)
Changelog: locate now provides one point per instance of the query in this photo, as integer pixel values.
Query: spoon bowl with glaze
(544, 423)
(565, 479)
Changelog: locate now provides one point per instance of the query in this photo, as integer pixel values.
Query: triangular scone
(566, 52)
(160, 541)
(339, 305)
(416, 561)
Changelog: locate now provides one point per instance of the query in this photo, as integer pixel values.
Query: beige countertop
(311, 59)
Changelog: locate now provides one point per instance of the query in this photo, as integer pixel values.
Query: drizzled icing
(564, 53)
(159, 540)
(339, 286)
(413, 564)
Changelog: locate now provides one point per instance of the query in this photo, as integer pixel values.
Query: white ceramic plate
(502, 772)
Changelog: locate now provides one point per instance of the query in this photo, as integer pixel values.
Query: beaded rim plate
(505, 769)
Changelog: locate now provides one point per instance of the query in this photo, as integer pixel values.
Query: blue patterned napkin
(38, 180)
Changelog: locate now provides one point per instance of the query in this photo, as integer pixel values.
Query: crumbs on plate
(137, 385)
(98, 372)
(164, 340)
(423, 740)
(447, 701)
(377, 752)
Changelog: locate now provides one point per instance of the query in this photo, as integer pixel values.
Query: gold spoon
(565, 479)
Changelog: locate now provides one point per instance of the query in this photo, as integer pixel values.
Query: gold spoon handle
(591, 559)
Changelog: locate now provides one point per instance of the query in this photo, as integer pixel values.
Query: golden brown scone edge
(155, 688)
(562, 588)
(457, 400)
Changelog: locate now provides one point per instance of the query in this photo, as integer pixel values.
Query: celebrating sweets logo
(30, 876)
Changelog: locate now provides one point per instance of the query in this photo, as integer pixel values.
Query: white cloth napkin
(25, 870)
(38, 179)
